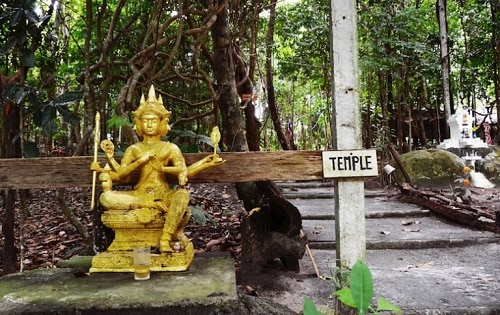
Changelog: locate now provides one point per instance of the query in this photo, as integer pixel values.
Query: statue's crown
(152, 105)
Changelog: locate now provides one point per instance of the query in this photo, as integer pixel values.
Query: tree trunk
(445, 60)
(271, 232)
(271, 96)
(224, 70)
(12, 142)
(495, 20)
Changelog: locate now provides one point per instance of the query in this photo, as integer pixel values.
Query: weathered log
(449, 209)
(271, 230)
(55, 172)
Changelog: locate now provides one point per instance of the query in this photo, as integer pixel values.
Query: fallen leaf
(251, 290)
(411, 230)
(428, 265)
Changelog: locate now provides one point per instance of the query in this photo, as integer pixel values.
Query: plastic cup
(142, 263)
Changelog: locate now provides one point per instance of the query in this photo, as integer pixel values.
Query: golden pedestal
(139, 228)
(123, 261)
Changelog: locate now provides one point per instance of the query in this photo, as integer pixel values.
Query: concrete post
(349, 192)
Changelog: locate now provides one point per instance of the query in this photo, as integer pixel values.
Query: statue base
(123, 261)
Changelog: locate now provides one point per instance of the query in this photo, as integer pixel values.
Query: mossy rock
(431, 167)
(490, 164)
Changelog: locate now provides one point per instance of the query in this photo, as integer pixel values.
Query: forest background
(60, 62)
(258, 69)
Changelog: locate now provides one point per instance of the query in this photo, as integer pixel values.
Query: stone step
(378, 207)
(382, 233)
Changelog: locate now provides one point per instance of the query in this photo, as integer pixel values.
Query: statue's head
(152, 105)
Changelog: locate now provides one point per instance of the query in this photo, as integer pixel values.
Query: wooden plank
(55, 172)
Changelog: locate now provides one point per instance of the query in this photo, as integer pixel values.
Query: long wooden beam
(56, 172)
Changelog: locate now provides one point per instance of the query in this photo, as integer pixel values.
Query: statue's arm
(130, 163)
(207, 162)
(178, 165)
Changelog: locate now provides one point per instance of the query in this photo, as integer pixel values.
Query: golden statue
(152, 214)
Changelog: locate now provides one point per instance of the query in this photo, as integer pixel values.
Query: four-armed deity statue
(152, 214)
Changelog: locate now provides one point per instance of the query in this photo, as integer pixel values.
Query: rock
(431, 167)
(490, 165)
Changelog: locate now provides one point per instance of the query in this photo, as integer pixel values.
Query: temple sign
(351, 163)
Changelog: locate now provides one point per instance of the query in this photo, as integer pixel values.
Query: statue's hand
(94, 166)
(146, 157)
(183, 178)
(214, 160)
(108, 147)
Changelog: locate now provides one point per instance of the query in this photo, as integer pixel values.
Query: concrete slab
(403, 233)
(463, 281)
(323, 209)
(208, 287)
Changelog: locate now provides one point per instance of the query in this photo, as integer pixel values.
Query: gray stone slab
(381, 204)
(374, 207)
(388, 232)
(421, 232)
(460, 280)
(208, 287)
(319, 230)
(463, 280)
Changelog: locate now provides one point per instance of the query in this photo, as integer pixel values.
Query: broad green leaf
(68, 98)
(117, 121)
(345, 296)
(361, 285)
(310, 307)
(385, 305)
(67, 114)
(198, 215)
(31, 150)
(27, 58)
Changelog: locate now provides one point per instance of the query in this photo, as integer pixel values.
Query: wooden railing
(57, 172)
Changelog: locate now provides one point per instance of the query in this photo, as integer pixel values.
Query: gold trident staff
(96, 146)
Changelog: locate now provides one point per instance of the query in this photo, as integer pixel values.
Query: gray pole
(346, 124)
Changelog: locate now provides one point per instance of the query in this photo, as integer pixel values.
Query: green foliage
(360, 292)
(310, 307)
(116, 122)
(188, 140)
(357, 295)
(201, 216)
(44, 113)
(340, 277)
(361, 285)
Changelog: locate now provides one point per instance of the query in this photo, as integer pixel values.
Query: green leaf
(117, 121)
(385, 305)
(310, 307)
(205, 139)
(198, 215)
(345, 296)
(68, 98)
(31, 150)
(27, 58)
(361, 285)
(67, 114)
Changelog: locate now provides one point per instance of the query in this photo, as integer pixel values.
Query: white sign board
(353, 163)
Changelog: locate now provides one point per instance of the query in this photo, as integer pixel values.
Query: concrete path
(419, 262)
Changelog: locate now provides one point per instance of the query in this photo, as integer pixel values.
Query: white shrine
(461, 132)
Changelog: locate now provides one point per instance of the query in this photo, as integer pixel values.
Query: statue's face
(150, 124)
